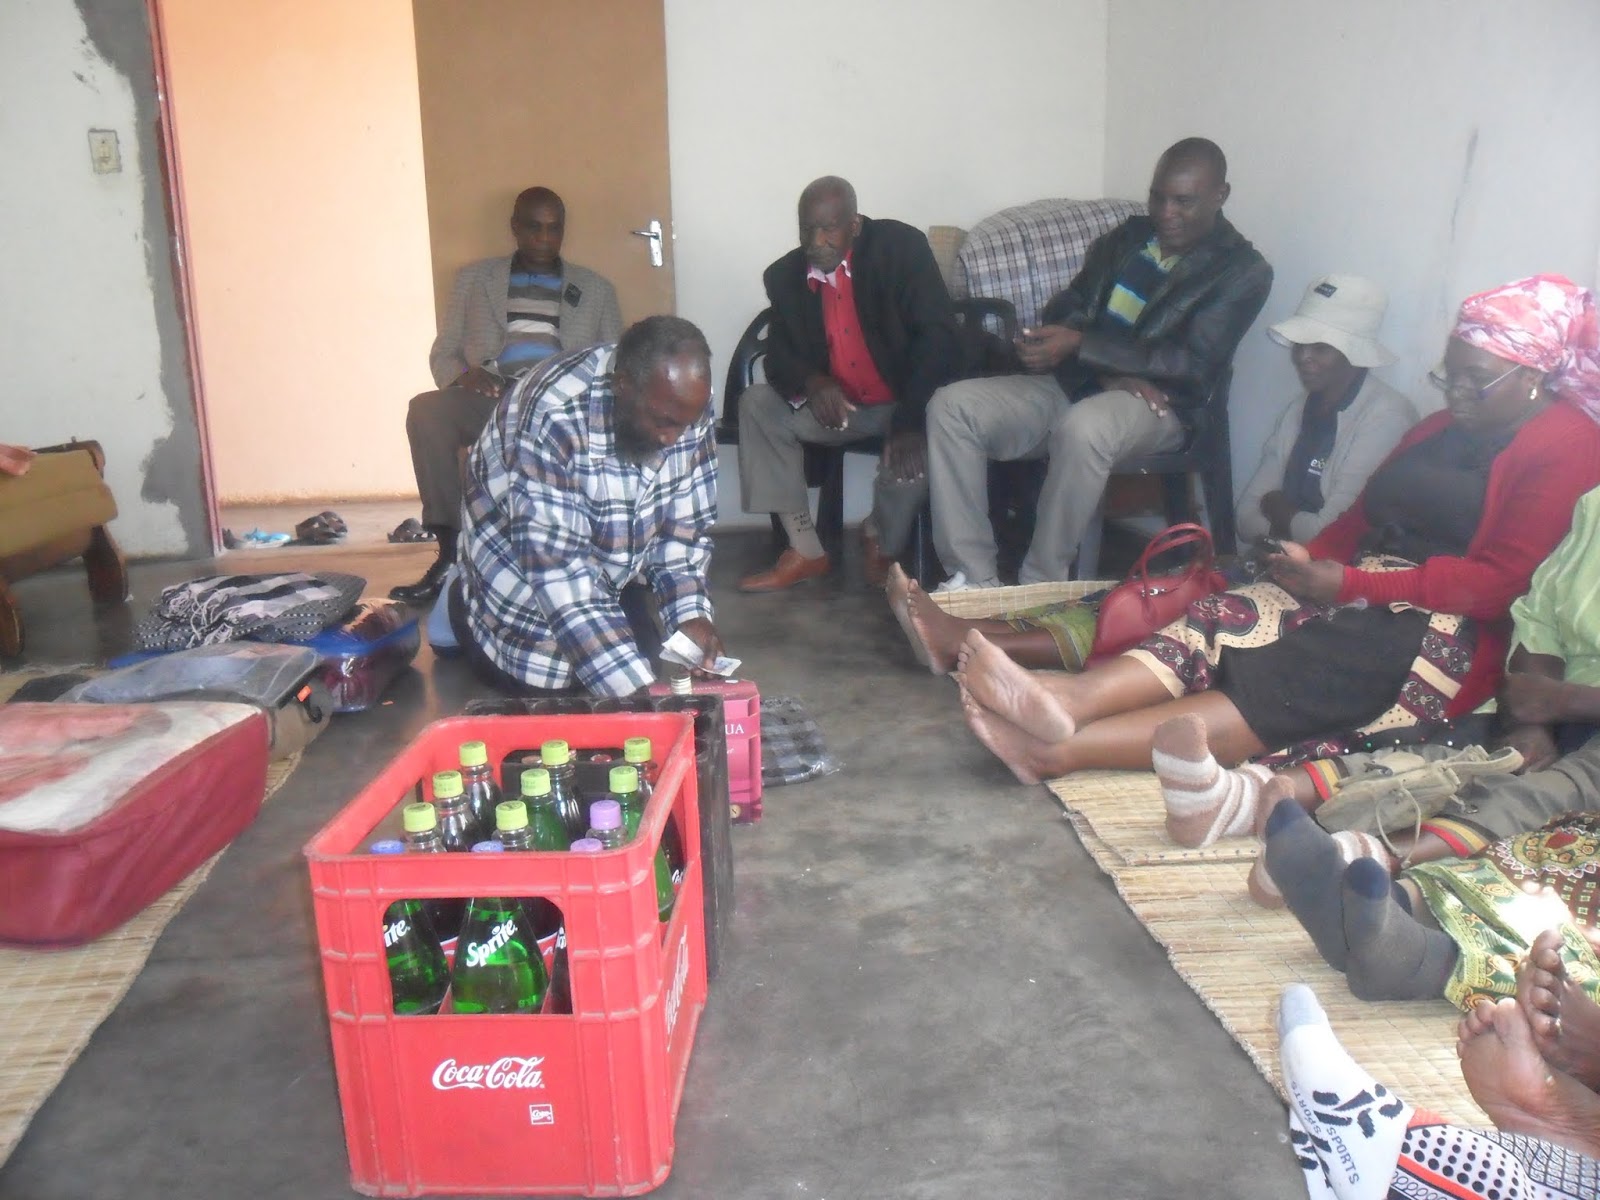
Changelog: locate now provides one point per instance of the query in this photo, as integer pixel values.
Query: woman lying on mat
(1394, 616)
(1326, 444)
(1357, 1140)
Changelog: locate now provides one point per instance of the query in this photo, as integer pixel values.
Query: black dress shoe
(425, 590)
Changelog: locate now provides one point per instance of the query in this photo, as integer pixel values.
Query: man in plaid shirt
(596, 472)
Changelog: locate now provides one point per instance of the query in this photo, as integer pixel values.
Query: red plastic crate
(741, 720)
(517, 1105)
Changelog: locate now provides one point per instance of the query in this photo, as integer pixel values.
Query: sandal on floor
(255, 539)
(316, 531)
(411, 530)
(334, 520)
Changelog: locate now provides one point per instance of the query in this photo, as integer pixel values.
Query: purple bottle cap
(388, 846)
(586, 846)
(605, 814)
(490, 847)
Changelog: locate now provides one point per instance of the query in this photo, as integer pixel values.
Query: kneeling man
(594, 480)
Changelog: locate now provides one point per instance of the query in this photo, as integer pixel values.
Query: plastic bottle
(549, 830)
(419, 977)
(606, 824)
(625, 791)
(421, 822)
(498, 967)
(511, 825)
(477, 779)
(640, 753)
(458, 827)
(556, 755)
(587, 845)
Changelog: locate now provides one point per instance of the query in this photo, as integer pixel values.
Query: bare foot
(936, 632)
(1010, 691)
(1030, 760)
(1517, 1088)
(1565, 1022)
(898, 587)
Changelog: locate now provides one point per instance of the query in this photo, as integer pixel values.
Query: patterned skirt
(1316, 680)
(1481, 902)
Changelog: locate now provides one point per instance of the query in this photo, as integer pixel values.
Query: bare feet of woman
(1565, 1022)
(1516, 1087)
(1010, 691)
(935, 635)
(1030, 759)
(898, 586)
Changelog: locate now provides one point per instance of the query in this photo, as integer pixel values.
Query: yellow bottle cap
(624, 779)
(535, 782)
(447, 784)
(510, 814)
(474, 754)
(419, 817)
(636, 750)
(555, 753)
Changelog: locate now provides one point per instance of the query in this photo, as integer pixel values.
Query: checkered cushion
(1029, 253)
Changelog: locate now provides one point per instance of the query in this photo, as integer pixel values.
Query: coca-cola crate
(579, 1104)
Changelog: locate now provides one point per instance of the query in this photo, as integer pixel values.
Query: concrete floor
(930, 991)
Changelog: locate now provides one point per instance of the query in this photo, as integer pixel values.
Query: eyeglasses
(1442, 381)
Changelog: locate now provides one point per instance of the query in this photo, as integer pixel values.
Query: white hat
(1343, 311)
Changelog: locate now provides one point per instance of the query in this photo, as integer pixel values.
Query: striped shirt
(533, 322)
(557, 524)
(1137, 281)
(1560, 615)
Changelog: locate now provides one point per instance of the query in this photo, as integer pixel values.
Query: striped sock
(1349, 845)
(1204, 802)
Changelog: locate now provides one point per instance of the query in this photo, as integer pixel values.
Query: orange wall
(301, 158)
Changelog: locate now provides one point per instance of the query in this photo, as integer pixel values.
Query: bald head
(829, 222)
(1187, 193)
(539, 222)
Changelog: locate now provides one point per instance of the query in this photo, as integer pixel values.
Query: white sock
(1352, 1123)
(802, 534)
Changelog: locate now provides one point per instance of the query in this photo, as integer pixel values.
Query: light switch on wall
(104, 152)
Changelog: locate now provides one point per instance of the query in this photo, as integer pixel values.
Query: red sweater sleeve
(1534, 485)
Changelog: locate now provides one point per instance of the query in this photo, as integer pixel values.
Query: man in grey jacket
(507, 315)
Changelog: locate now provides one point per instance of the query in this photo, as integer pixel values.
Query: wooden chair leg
(106, 568)
(10, 623)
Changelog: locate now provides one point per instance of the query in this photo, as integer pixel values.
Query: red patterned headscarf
(1546, 322)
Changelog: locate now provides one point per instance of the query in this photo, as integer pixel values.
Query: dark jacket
(1186, 335)
(905, 311)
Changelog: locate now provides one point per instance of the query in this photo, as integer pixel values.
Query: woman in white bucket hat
(1336, 432)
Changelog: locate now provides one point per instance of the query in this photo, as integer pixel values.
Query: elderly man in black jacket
(862, 334)
(1138, 338)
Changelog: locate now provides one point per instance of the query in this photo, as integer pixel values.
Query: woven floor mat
(1125, 811)
(1238, 956)
(56, 999)
(989, 602)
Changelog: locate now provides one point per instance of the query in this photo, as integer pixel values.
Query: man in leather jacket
(1138, 338)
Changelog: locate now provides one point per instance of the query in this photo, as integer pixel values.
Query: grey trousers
(1029, 416)
(439, 425)
(772, 437)
(1506, 805)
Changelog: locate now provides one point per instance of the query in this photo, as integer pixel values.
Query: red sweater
(1534, 484)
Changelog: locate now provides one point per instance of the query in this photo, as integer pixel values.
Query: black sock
(1402, 898)
(1304, 862)
(1393, 956)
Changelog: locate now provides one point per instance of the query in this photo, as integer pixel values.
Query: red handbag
(1142, 604)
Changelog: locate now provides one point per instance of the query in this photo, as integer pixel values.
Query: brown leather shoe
(875, 563)
(791, 568)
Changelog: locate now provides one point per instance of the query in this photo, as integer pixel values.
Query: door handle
(654, 234)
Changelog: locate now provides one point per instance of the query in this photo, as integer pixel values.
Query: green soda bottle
(549, 830)
(638, 752)
(419, 977)
(625, 794)
(422, 837)
(477, 778)
(498, 965)
(556, 755)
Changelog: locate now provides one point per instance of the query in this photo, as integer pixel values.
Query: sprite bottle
(511, 825)
(419, 977)
(556, 755)
(625, 793)
(458, 827)
(421, 822)
(638, 753)
(498, 966)
(549, 830)
(477, 778)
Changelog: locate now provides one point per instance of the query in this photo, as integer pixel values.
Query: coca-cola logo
(680, 976)
(503, 1074)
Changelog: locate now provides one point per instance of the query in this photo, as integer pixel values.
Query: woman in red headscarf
(1395, 616)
